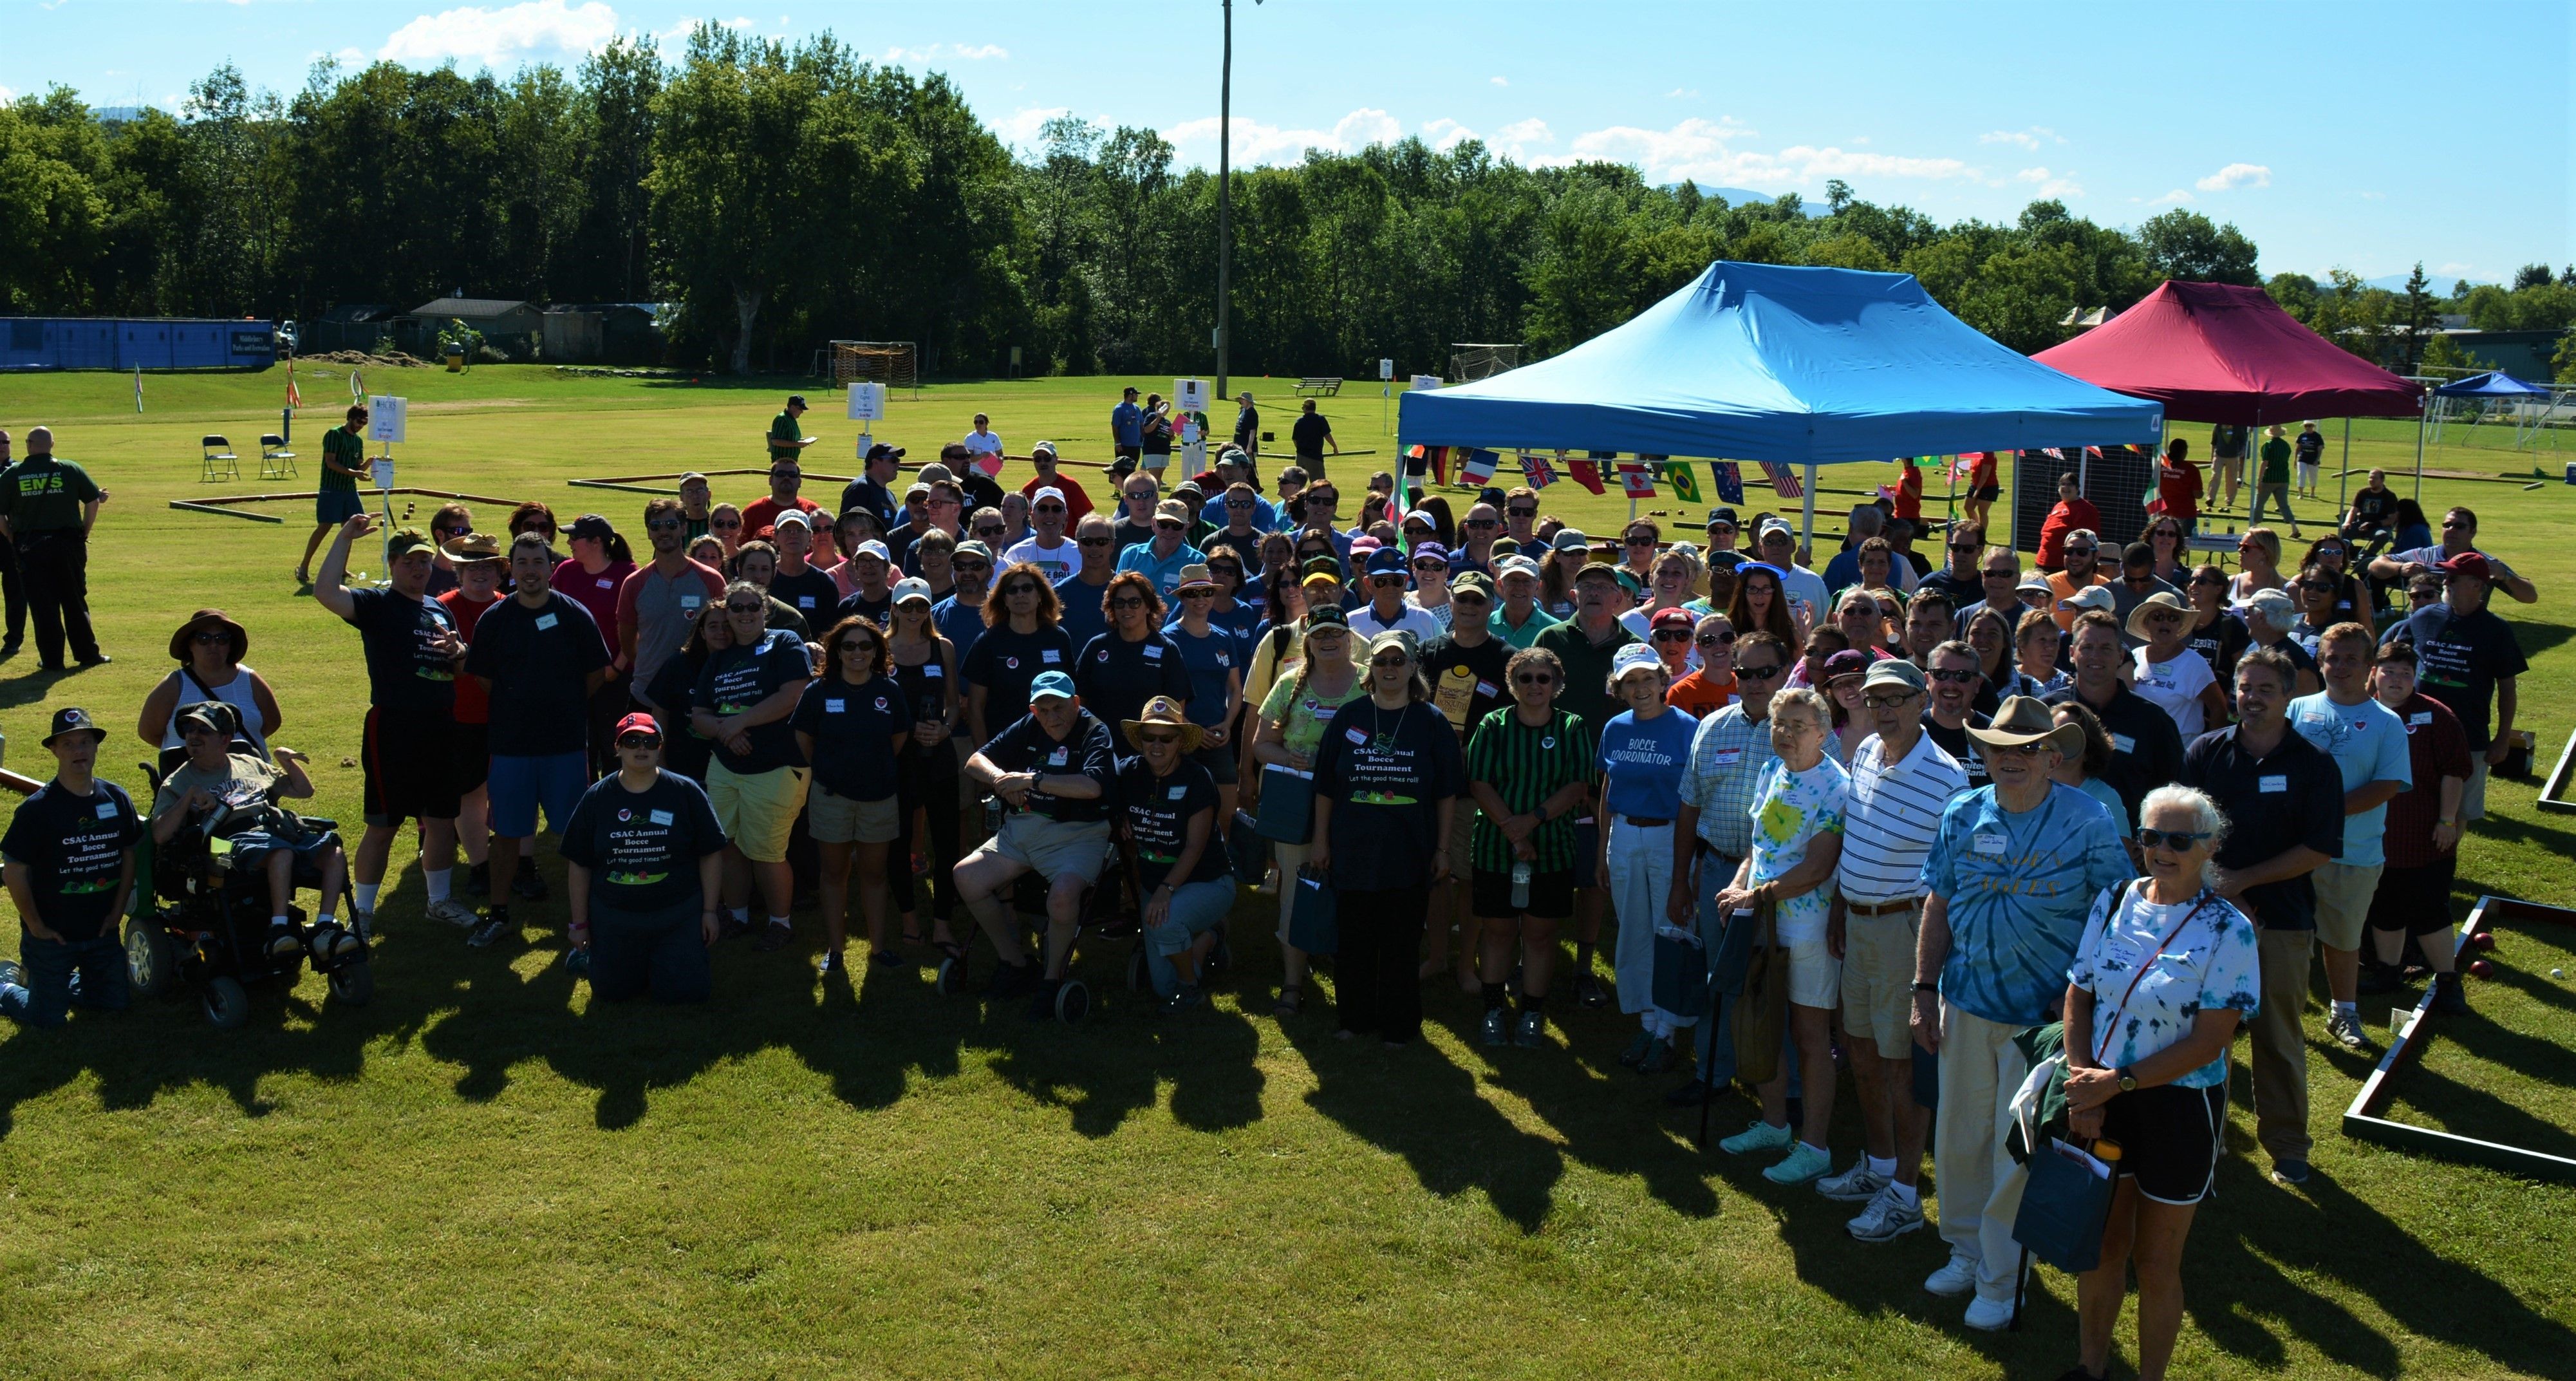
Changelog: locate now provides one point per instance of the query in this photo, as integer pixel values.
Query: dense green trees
(786, 194)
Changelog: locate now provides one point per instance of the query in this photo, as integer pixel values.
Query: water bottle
(1520, 883)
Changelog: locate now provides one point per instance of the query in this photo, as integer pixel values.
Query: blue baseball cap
(1050, 683)
(1387, 561)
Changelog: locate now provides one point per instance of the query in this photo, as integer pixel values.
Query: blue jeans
(1196, 908)
(59, 973)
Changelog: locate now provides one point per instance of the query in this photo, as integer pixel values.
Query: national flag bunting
(1586, 473)
(1784, 481)
(1635, 479)
(1537, 471)
(1479, 469)
(1730, 481)
(1678, 474)
(1439, 464)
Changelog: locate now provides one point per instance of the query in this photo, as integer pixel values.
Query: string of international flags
(1637, 478)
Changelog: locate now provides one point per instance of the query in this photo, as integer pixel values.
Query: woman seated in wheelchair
(255, 835)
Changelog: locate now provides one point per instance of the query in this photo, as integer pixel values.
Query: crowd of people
(1895, 813)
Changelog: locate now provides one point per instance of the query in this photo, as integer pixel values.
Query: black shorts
(1986, 493)
(1126, 452)
(1551, 895)
(412, 766)
(2416, 901)
(2170, 1138)
(473, 756)
(1219, 761)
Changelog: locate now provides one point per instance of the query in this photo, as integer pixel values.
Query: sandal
(1292, 1000)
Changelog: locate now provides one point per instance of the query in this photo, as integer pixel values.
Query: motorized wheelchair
(206, 925)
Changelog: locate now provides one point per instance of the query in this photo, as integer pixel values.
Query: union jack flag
(1537, 471)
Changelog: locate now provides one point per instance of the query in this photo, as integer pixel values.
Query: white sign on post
(1190, 395)
(1423, 381)
(385, 416)
(1385, 370)
(867, 402)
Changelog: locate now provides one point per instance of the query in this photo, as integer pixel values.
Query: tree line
(782, 195)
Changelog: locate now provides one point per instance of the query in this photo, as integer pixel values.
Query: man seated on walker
(1053, 771)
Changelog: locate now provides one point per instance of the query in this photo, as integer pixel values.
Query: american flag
(1784, 481)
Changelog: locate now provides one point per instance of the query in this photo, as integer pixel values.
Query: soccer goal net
(1473, 361)
(893, 363)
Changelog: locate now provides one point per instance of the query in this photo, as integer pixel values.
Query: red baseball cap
(2467, 563)
(637, 723)
(1673, 618)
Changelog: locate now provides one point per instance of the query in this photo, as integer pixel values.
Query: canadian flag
(1636, 480)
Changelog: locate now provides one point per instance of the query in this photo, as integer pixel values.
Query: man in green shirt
(2272, 481)
(787, 441)
(1586, 644)
(47, 507)
(344, 463)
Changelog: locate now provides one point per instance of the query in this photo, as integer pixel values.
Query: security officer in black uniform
(47, 507)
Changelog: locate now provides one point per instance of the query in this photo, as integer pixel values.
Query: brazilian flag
(1677, 473)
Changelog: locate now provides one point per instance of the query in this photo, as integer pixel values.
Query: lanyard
(2122, 1011)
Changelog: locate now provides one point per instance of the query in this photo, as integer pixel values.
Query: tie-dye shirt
(2018, 888)
(1790, 809)
(2146, 998)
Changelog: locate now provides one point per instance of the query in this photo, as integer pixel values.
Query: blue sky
(2299, 122)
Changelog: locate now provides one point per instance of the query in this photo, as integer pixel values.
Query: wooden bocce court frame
(2362, 1121)
(669, 484)
(224, 506)
(2557, 780)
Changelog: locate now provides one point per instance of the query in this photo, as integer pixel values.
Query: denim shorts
(518, 786)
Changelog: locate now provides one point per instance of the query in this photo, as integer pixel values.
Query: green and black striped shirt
(1525, 766)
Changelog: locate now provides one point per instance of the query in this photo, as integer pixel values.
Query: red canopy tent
(2214, 352)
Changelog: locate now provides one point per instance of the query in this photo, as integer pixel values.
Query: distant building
(508, 325)
(359, 326)
(2525, 355)
(603, 333)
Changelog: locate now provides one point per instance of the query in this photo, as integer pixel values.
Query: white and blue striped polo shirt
(1893, 815)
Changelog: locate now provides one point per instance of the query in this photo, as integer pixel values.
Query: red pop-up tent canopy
(2213, 352)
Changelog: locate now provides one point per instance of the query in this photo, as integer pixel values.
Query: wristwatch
(2128, 1081)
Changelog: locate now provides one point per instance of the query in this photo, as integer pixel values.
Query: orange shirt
(1699, 697)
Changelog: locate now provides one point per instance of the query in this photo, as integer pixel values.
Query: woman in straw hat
(1167, 818)
(209, 648)
(2169, 674)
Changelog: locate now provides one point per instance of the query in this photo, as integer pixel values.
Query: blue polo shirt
(1127, 424)
(959, 623)
(1164, 571)
(1265, 515)
(2019, 888)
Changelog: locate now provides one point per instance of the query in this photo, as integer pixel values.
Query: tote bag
(1681, 972)
(1315, 926)
(1245, 850)
(2063, 1206)
(1287, 805)
(1761, 1013)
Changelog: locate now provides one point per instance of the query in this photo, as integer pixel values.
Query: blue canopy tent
(2494, 385)
(1800, 366)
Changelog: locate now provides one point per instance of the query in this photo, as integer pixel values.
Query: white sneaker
(1858, 1185)
(363, 924)
(1887, 1218)
(451, 911)
(1988, 1315)
(1955, 1278)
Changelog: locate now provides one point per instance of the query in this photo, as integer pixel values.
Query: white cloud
(2051, 184)
(1445, 134)
(1498, 81)
(1021, 127)
(924, 56)
(1682, 93)
(1255, 142)
(2236, 175)
(1710, 151)
(2030, 138)
(980, 51)
(501, 37)
(2176, 197)
(1531, 131)
(7, 95)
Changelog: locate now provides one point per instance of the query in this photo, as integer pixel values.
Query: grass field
(479, 1175)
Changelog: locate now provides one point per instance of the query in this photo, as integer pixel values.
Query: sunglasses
(2081, 551)
(1198, 594)
(1418, 532)
(937, 501)
(865, 646)
(1716, 640)
(970, 567)
(1963, 546)
(1534, 678)
(1160, 525)
(1158, 739)
(1391, 662)
(640, 741)
(1482, 523)
(724, 524)
(1750, 673)
(657, 525)
(2322, 587)
(1641, 541)
(2180, 841)
(2209, 580)
(1522, 512)
(1672, 635)
(1092, 541)
(1131, 602)
(1051, 508)
(1238, 503)
(732, 608)
(2449, 525)
(1954, 676)
(1017, 590)
(1468, 597)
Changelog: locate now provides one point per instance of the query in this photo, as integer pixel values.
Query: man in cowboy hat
(1167, 825)
(68, 858)
(2008, 882)
(1053, 771)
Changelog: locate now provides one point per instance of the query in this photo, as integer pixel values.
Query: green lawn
(478, 1175)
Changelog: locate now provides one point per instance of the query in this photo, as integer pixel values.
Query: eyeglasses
(1953, 676)
(1130, 602)
(1716, 640)
(1092, 541)
(2322, 587)
(1522, 512)
(657, 525)
(1888, 702)
(939, 501)
(2180, 841)
(990, 530)
(1159, 740)
(2002, 575)
(1751, 673)
(1534, 678)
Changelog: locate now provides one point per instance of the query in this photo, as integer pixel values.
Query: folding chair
(275, 461)
(217, 461)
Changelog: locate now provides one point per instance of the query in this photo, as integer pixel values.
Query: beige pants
(1979, 1183)
(2279, 1057)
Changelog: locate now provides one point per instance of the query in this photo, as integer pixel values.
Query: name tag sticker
(1488, 689)
(606, 583)
(659, 817)
(2122, 743)
(107, 810)
(930, 668)
(1058, 758)
(1153, 652)
(832, 706)
(545, 621)
(2272, 785)
(804, 601)
(1358, 736)
(1990, 843)
(1179, 791)
(691, 602)
(2420, 717)
(1049, 657)
(1728, 757)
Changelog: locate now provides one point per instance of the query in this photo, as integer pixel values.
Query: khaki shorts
(1462, 833)
(2343, 892)
(834, 819)
(1052, 849)
(758, 811)
(1815, 976)
(1878, 981)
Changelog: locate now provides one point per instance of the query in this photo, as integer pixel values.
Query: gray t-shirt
(666, 608)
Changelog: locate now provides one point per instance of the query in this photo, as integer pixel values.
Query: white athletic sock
(326, 918)
(1906, 1194)
(741, 914)
(366, 894)
(437, 880)
(780, 921)
(2348, 1009)
(1877, 1166)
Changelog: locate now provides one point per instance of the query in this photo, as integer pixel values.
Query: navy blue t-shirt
(1157, 812)
(740, 677)
(642, 847)
(537, 661)
(1209, 661)
(74, 851)
(1081, 616)
(1026, 747)
(396, 631)
(1116, 677)
(1005, 662)
(853, 728)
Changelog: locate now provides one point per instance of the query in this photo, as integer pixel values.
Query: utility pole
(1224, 196)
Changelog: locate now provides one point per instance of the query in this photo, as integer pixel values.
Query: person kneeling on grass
(1167, 820)
(70, 867)
(643, 864)
(2166, 970)
(263, 838)
(1797, 844)
(1053, 771)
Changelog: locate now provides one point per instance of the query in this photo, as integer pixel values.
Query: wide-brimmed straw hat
(2161, 602)
(206, 618)
(1164, 712)
(2021, 720)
